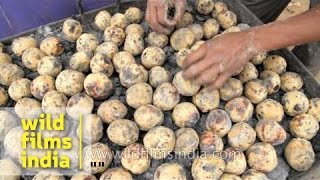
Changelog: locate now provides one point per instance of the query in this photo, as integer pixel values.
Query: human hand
(157, 14)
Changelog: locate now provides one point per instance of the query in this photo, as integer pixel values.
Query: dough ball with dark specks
(102, 20)
(153, 56)
(197, 31)
(115, 35)
(218, 121)
(92, 129)
(49, 66)
(8, 122)
(259, 58)
(241, 136)
(185, 87)
(264, 108)
(9, 73)
(19, 45)
(81, 175)
(148, 116)
(157, 39)
(275, 63)
(41, 85)
(134, 44)
(122, 58)
(132, 74)
(31, 58)
(139, 95)
(87, 42)
(116, 173)
(271, 132)
(79, 104)
(108, 49)
(54, 103)
(100, 63)
(4, 97)
(314, 108)
(232, 88)
(240, 109)
(135, 29)
(182, 38)
(236, 162)
(135, 158)
(158, 75)
(228, 176)
(119, 20)
(72, 30)
(187, 141)
(291, 81)
(5, 58)
(28, 108)
(133, 15)
(252, 174)
(182, 55)
(205, 6)
(272, 81)
(207, 168)
(170, 171)
(98, 86)
(52, 46)
(111, 110)
(185, 20)
(80, 61)
(211, 28)
(206, 100)
(256, 90)
(185, 115)
(295, 103)
(70, 82)
(123, 132)
(248, 73)
(20, 88)
(304, 126)
(227, 19)
(210, 143)
(166, 96)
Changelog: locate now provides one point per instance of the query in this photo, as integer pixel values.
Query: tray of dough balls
(129, 80)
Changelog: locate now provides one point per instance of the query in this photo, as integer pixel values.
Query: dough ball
(108, 49)
(197, 31)
(185, 20)
(240, 109)
(157, 39)
(87, 42)
(185, 87)
(166, 96)
(100, 63)
(134, 44)
(115, 35)
(232, 88)
(304, 126)
(148, 116)
(227, 176)
(259, 58)
(98, 86)
(227, 19)
(275, 63)
(271, 132)
(123, 132)
(135, 158)
(48, 174)
(70, 82)
(241, 136)
(210, 143)
(80, 61)
(220, 7)
(182, 38)
(54, 102)
(132, 74)
(81, 175)
(159, 142)
(197, 45)
(206, 100)
(231, 29)
(111, 110)
(49, 66)
(28, 108)
(291, 81)
(9, 170)
(264, 108)
(133, 15)
(272, 80)
(139, 94)
(153, 56)
(52, 46)
(158, 75)
(170, 171)
(8, 122)
(12, 142)
(185, 115)
(211, 28)
(4, 97)
(218, 122)
(116, 173)
(41, 85)
(79, 104)
(235, 161)
(31, 58)
(92, 129)
(135, 29)
(187, 141)
(97, 148)
(314, 108)
(19, 89)
(207, 167)
(252, 174)
(102, 20)
(72, 30)
(299, 154)
(121, 59)
(262, 157)
(295, 103)
(182, 55)
(248, 73)
(205, 6)
(256, 91)
(9, 73)
(5, 58)
(119, 20)
(19, 45)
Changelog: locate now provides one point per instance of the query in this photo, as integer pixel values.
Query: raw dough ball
(220, 7)
(227, 19)
(87, 42)
(148, 116)
(314, 108)
(12, 142)
(218, 122)
(48, 175)
(9, 73)
(4, 97)
(205, 6)
(134, 44)
(115, 35)
(264, 108)
(210, 143)
(252, 174)
(211, 28)
(227, 176)
(19, 45)
(123, 132)
(41, 85)
(170, 171)
(121, 59)
(135, 158)
(139, 94)
(275, 63)
(70, 82)
(158, 75)
(49, 66)
(271, 132)
(256, 91)
(291, 81)
(197, 31)
(28, 108)
(31, 58)
(111, 110)
(304, 126)
(235, 161)
(5, 58)
(197, 45)
(206, 100)
(54, 102)
(135, 29)
(185, 87)
(80, 61)
(100, 63)
(8, 121)
(182, 38)
(108, 49)
(259, 58)
(207, 168)
(299, 154)
(185, 115)
(79, 104)
(262, 157)
(102, 20)
(72, 30)
(2, 48)
(153, 56)
(116, 173)
(159, 142)
(187, 141)
(272, 80)
(157, 39)
(9, 170)
(132, 74)
(98, 86)
(248, 73)
(231, 29)
(240, 109)
(185, 20)
(97, 148)
(241, 136)
(133, 15)
(92, 129)
(19, 89)
(232, 88)
(182, 55)
(295, 103)
(83, 176)
(52, 46)
(119, 20)
(166, 96)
